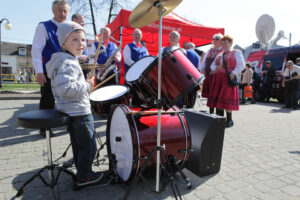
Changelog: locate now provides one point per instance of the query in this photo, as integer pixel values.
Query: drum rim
(134, 81)
(130, 122)
(186, 128)
(106, 101)
(185, 92)
(155, 61)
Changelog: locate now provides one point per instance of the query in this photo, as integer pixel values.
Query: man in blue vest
(191, 54)
(134, 51)
(110, 50)
(45, 43)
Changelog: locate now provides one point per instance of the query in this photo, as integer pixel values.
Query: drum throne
(45, 119)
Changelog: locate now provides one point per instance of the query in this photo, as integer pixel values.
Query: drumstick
(97, 54)
(152, 112)
(104, 81)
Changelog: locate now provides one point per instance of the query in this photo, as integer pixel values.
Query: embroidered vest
(52, 44)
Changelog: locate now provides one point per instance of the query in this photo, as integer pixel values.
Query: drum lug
(184, 150)
(136, 159)
(149, 82)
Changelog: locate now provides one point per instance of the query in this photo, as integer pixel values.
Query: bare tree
(98, 9)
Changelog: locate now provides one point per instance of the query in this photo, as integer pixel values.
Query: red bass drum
(132, 137)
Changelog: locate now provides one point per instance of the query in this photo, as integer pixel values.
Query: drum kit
(136, 127)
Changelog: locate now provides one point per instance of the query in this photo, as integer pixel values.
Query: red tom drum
(131, 137)
(179, 77)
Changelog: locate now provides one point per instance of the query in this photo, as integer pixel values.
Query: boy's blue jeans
(83, 143)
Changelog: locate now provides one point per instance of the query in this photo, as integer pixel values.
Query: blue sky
(236, 16)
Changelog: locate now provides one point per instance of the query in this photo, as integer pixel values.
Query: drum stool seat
(42, 119)
(45, 119)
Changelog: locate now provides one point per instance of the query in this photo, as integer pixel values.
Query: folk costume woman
(223, 96)
(204, 66)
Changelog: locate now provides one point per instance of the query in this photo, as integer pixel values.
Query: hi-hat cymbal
(147, 11)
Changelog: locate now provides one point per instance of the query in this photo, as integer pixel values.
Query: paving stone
(276, 172)
(206, 193)
(291, 190)
(258, 162)
(262, 176)
(275, 183)
(262, 188)
(236, 195)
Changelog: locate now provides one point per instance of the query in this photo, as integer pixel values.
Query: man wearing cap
(44, 44)
(134, 51)
(268, 79)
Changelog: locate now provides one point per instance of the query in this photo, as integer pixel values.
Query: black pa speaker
(207, 136)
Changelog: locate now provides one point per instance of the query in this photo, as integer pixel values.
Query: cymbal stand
(167, 169)
(161, 10)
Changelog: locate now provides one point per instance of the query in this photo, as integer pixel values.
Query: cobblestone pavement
(260, 160)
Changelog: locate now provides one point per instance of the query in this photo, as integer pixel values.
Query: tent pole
(158, 149)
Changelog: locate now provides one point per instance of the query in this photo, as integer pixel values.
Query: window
(22, 51)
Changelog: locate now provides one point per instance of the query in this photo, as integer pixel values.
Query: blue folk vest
(193, 57)
(52, 44)
(136, 53)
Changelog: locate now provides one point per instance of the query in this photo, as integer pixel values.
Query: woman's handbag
(235, 81)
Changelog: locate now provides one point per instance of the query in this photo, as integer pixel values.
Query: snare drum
(132, 137)
(103, 98)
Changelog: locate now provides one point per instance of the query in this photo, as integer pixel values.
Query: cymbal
(147, 11)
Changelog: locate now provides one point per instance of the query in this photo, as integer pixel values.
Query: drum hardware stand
(97, 163)
(50, 167)
(166, 166)
(179, 169)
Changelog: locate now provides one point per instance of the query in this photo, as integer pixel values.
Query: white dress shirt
(127, 55)
(240, 62)
(288, 72)
(38, 44)
(202, 64)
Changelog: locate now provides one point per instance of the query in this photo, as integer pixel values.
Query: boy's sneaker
(94, 177)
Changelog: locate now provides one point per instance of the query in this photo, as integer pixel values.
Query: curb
(13, 95)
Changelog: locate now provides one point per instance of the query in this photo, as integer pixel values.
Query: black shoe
(243, 102)
(295, 108)
(229, 124)
(93, 178)
(43, 133)
(253, 102)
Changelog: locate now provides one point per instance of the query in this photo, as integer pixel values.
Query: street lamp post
(8, 26)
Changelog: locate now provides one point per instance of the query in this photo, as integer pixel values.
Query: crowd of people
(59, 46)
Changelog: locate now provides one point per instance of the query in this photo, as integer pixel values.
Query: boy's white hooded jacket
(68, 84)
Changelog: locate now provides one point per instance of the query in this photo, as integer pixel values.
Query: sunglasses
(216, 39)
